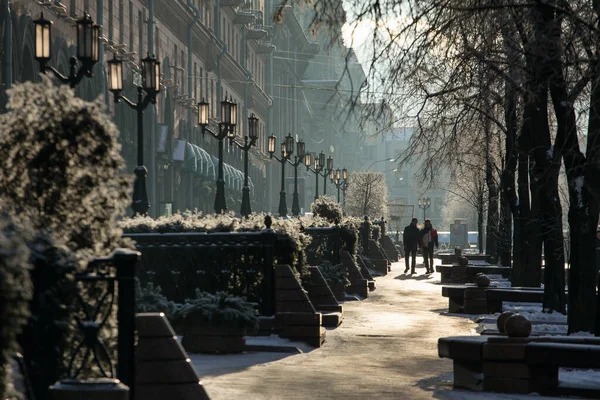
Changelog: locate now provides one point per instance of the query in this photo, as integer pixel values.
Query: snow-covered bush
(61, 166)
(326, 207)
(15, 294)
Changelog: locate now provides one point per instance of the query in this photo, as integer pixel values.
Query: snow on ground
(218, 364)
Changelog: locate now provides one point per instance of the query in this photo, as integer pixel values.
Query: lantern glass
(322, 160)
(226, 112)
(338, 174)
(330, 163)
(419, 201)
(149, 78)
(253, 127)
(289, 144)
(203, 113)
(43, 29)
(95, 43)
(115, 75)
(308, 160)
(316, 163)
(428, 202)
(84, 38)
(300, 149)
(234, 112)
(331, 174)
(156, 75)
(283, 150)
(272, 140)
(344, 173)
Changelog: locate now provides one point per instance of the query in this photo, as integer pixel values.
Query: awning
(198, 161)
(234, 178)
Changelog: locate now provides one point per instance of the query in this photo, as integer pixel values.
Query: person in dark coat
(411, 238)
(429, 239)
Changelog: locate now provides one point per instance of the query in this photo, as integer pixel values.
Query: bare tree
(367, 195)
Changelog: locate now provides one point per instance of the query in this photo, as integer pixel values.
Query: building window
(110, 20)
(121, 21)
(131, 39)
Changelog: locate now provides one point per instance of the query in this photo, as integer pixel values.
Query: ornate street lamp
(88, 49)
(226, 129)
(299, 159)
(287, 149)
(318, 162)
(326, 171)
(249, 141)
(150, 85)
(424, 204)
(338, 178)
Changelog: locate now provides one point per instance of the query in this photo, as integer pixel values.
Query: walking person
(430, 239)
(411, 238)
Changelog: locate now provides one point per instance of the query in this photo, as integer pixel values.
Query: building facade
(209, 50)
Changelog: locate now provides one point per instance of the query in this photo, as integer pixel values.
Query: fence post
(382, 224)
(268, 293)
(366, 234)
(125, 262)
(337, 244)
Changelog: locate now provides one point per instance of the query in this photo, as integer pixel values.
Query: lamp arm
(126, 100)
(57, 74)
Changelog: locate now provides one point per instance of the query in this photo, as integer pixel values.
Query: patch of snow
(584, 334)
(550, 152)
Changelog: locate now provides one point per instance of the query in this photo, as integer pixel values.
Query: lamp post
(424, 204)
(338, 178)
(287, 149)
(319, 164)
(249, 141)
(226, 129)
(299, 158)
(326, 172)
(150, 85)
(88, 49)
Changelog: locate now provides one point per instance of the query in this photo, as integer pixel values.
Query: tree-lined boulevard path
(386, 348)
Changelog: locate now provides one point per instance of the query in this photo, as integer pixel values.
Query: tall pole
(246, 208)
(282, 202)
(317, 185)
(220, 203)
(325, 183)
(338, 188)
(140, 204)
(296, 200)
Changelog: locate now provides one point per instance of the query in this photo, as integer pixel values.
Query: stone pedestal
(323, 299)
(475, 301)
(358, 284)
(296, 317)
(90, 389)
(163, 369)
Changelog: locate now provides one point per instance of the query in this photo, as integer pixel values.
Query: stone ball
(502, 319)
(463, 261)
(482, 281)
(517, 326)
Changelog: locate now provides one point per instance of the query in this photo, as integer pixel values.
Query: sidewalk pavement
(386, 348)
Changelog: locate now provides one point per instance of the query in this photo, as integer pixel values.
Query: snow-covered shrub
(61, 166)
(328, 208)
(15, 294)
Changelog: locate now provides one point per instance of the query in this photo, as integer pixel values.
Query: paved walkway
(386, 348)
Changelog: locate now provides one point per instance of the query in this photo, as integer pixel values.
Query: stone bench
(458, 274)
(519, 365)
(469, 299)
